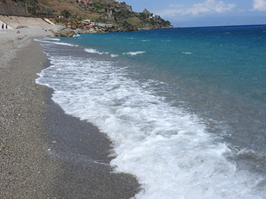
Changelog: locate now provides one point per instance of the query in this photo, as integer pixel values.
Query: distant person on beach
(6, 26)
(3, 25)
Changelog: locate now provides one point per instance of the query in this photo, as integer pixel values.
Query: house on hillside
(154, 16)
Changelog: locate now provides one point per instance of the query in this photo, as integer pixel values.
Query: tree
(66, 13)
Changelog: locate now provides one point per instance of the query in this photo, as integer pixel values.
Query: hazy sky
(205, 12)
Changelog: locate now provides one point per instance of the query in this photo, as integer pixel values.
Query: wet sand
(82, 152)
(45, 153)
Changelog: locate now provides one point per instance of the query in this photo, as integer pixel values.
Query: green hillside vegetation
(101, 11)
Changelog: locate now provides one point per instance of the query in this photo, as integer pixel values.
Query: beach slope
(45, 153)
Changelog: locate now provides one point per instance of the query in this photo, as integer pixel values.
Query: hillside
(105, 11)
(69, 12)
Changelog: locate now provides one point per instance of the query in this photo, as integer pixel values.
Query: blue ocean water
(184, 108)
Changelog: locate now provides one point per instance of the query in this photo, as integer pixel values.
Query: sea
(185, 108)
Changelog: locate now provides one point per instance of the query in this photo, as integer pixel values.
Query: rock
(67, 32)
(63, 31)
(79, 31)
(58, 28)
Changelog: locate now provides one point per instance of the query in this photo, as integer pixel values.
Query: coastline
(82, 152)
(44, 152)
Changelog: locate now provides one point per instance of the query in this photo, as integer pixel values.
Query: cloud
(176, 6)
(259, 5)
(199, 9)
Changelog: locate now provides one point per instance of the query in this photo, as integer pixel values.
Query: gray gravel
(45, 153)
(27, 170)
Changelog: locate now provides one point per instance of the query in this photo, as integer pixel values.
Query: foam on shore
(168, 149)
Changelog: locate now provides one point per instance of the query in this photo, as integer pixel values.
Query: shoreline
(83, 153)
(44, 152)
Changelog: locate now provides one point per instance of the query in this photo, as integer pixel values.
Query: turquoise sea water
(184, 108)
(230, 58)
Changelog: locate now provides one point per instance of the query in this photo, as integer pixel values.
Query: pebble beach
(45, 153)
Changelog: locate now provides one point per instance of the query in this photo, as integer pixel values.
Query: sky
(195, 13)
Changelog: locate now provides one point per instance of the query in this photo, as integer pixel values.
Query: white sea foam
(114, 55)
(54, 41)
(47, 39)
(187, 53)
(64, 44)
(91, 50)
(134, 53)
(168, 150)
